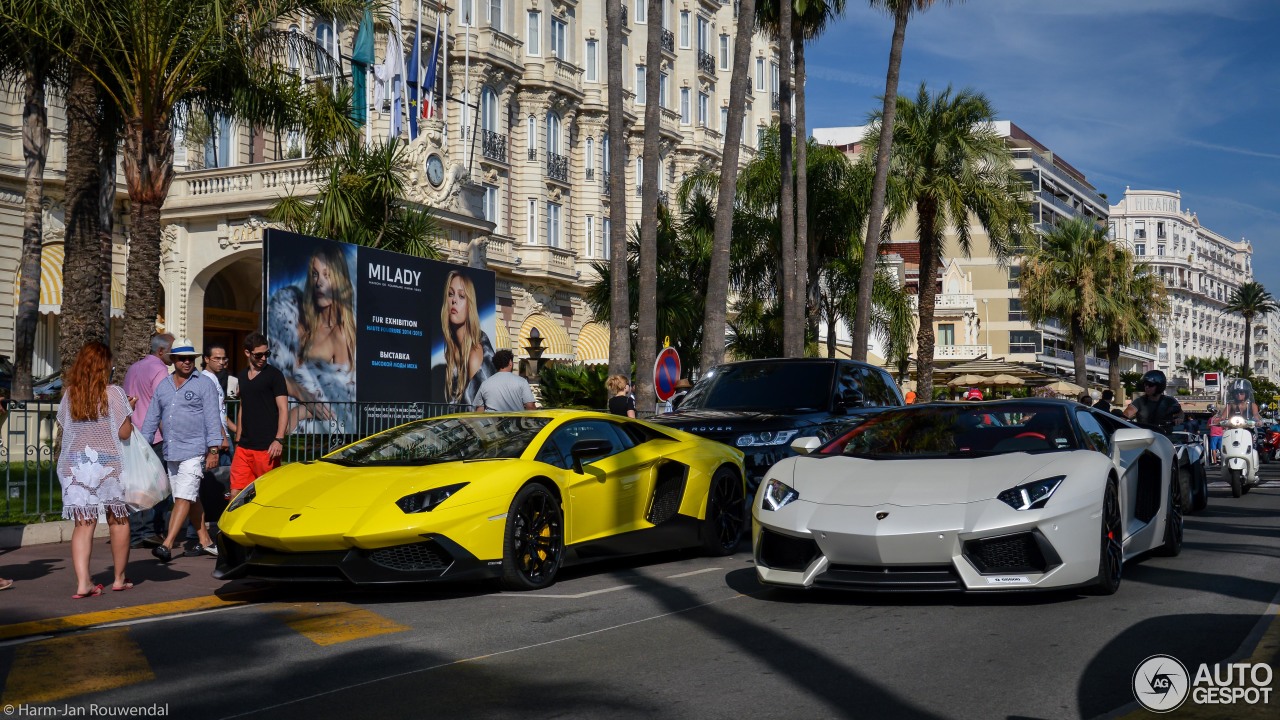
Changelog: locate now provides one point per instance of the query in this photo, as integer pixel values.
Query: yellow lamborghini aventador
(513, 496)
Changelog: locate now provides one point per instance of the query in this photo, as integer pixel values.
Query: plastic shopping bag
(146, 482)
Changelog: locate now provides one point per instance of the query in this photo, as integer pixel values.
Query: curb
(45, 533)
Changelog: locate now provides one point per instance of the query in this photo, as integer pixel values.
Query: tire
(533, 544)
(1173, 528)
(722, 528)
(1111, 551)
(1237, 479)
(1200, 478)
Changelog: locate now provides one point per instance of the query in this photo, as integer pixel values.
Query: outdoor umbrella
(1062, 387)
(967, 380)
(1002, 379)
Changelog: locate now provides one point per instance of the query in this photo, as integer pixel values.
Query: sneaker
(198, 550)
(211, 550)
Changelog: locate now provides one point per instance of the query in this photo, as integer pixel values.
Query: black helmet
(1155, 377)
(1240, 385)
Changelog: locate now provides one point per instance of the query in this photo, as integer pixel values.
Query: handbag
(145, 479)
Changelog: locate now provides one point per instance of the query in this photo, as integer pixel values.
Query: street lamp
(986, 320)
(535, 350)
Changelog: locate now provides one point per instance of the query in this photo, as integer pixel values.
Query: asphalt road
(677, 636)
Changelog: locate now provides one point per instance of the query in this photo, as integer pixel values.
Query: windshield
(764, 387)
(958, 431)
(472, 437)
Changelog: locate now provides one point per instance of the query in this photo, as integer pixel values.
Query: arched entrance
(231, 301)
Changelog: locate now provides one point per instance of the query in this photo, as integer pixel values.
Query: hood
(325, 485)
(730, 420)
(870, 483)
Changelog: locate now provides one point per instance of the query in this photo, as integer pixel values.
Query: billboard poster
(349, 324)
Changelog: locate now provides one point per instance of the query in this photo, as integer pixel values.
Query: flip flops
(95, 592)
(6, 584)
(126, 586)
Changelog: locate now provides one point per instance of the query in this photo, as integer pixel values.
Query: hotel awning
(51, 259)
(554, 337)
(593, 344)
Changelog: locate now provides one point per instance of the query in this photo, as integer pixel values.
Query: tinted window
(958, 431)
(446, 439)
(788, 386)
(1094, 436)
(564, 438)
(860, 386)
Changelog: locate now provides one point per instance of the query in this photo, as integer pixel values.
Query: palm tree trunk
(35, 151)
(1113, 359)
(619, 295)
(831, 333)
(148, 169)
(714, 315)
(806, 307)
(879, 186)
(647, 313)
(108, 137)
(926, 210)
(1078, 348)
(81, 319)
(1247, 370)
(792, 335)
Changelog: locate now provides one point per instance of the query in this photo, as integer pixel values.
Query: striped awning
(554, 337)
(501, 338)
(593, 344)
(52, 256)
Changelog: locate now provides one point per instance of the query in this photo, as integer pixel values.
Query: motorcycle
(1239, 456)
(1269, 446)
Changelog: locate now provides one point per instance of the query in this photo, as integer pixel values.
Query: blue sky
(1165, 94)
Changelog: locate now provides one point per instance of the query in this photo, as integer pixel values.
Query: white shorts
(185, 477)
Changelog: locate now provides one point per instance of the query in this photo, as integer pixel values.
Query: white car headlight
(1032, 495)
(778, 495)
(762, 439)
(245, 497)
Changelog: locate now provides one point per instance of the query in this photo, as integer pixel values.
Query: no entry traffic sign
(666, 372)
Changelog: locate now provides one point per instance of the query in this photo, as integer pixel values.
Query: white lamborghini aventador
(1020, 494)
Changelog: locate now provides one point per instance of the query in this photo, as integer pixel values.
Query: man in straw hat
(186, 408)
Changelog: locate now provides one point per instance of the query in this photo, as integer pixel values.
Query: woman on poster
(468, 352)
(313, 342)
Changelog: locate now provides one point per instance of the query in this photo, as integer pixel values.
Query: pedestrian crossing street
(63, 667)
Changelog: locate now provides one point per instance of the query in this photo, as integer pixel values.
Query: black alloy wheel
(1111, 560)
(1237, 482)
(724, 522)
(1172, 546)
(534, 541)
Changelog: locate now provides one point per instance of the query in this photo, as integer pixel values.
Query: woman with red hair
(95, 419)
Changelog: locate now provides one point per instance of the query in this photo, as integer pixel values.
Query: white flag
(392, 73)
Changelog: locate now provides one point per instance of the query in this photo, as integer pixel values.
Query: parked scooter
(1239, 456)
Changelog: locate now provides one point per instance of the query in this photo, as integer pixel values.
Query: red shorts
(249, 465)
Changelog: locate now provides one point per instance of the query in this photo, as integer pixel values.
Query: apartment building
(522, 140)
(1200, 269)
(978, 310)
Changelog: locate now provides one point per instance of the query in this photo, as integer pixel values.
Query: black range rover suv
(760, 406)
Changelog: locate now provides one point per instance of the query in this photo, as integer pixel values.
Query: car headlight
(762, 439)
(778, 495)
(1236, 421)
(245, 497)
(1032, 495)
(428, 500)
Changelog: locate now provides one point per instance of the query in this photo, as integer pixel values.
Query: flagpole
(466, 84)
(444, 81)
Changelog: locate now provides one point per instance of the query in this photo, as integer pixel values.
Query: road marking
(51, 670)
(693, 572)
(497, 653)
(104, 617)
(331, 623)
(566, 597)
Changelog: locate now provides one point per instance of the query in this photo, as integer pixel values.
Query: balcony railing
(777, 102)
(953, 300)
(557, 167)
(605, 174)
(625, 19)
(960, 352)
(668, 41)
(591, 173)
(493, 146)
(663, 198)
(533, 154)
(1052, 353)
(706, 62)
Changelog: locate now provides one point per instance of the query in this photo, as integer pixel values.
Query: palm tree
(1064, 280)
(892, 317)
(28, 62)
(1192, 366)
(358, 202)
(151, 59)
(901, 10)
(616, 187)
(714, 317)
(647, 321)
(952, 166)
(1136, 304)
(1250, 300)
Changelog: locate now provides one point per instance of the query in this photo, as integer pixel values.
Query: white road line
(694, 572)
(566, 597)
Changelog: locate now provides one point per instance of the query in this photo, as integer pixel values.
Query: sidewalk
(44, 582)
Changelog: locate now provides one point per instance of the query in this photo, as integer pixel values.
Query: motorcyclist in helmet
(1240, 401)
(1153, 407)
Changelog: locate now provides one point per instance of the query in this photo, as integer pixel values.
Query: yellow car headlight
(428, 500)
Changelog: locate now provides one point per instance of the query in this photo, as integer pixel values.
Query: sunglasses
(183, 359)
(257, 356)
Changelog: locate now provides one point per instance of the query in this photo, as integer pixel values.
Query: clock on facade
(435, 169)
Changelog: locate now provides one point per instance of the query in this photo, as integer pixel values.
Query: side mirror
(849, 399)
(588, 449)
(805, 445)
(1133, 438)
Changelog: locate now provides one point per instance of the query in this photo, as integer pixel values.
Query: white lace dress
(89, 464)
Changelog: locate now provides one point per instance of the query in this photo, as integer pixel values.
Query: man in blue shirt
(186, 408)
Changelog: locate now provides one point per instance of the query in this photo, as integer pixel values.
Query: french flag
(429, 82)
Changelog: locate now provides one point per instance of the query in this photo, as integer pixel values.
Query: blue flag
(412, 78)
(429, 82)
(361, 59)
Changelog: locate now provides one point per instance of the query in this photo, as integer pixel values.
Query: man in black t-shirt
(260, 423)
(1153, 407)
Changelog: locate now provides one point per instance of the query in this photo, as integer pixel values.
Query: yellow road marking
(79, 622)
(333, 623)
(59, 668)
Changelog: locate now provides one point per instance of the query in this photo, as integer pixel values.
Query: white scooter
(1239, 456)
